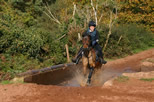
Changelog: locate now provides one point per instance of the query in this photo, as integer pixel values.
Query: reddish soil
(133, 90)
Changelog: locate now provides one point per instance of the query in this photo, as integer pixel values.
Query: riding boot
(99, 57)
(103, 61)
(78, 57)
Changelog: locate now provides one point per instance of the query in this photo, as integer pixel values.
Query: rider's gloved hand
(94, 43)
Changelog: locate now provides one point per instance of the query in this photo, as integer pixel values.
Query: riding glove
(93, 43)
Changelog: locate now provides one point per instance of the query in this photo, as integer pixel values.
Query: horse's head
(86, 41)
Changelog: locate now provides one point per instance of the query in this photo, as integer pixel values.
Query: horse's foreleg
(90, 75)
(85, 63)
(84, 70)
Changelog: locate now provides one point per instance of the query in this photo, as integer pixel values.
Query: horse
(89, 58)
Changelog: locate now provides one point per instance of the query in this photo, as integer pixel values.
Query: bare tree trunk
(50, 15)
(62, 37)
(110, 29)
(100, 17)
(119, 40)
(95, 12)
(79, 37)
(74, 9)
(67, 51)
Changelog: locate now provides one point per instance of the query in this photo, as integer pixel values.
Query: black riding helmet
(92, 23)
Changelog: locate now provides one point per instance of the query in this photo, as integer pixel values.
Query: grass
(108, 59)
(147, 79)
(134, 52)
(140, 50)
(14, 81)
(122, 78)
(4, 82)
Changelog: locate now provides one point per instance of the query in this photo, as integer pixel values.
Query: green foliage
(122, 78)
(29, 39)
(20, 40)
(137, 11)
(14, 81)
(147, 79)
(4, 82)
(17, 64)
(24, 44)
(15, 36)
(125, 39)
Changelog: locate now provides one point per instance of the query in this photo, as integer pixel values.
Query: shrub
(132, 36)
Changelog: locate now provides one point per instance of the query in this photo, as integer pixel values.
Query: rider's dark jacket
(94, 38)
(94, 35)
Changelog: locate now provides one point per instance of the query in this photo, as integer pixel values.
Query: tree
(138, 11)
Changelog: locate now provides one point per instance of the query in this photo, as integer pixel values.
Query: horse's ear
(89, 37)
(88, 34)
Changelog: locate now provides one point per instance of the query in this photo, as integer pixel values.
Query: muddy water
(99, 77)
(72, 76)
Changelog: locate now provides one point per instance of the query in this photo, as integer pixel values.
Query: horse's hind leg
(90, 75)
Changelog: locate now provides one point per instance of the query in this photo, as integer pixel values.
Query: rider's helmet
(92, 23)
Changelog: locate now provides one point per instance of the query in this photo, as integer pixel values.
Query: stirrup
(103, 61)
(76, 61)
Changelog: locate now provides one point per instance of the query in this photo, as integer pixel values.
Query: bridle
(88, 47)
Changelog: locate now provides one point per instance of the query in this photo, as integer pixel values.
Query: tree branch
(51, 16)
(74, 9)
(110, 31)
(119, 40)
(95, 13)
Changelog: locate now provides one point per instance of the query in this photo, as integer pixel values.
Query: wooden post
(67, 51)
(79, 37)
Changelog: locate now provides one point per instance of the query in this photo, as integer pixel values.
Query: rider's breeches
(98, 50)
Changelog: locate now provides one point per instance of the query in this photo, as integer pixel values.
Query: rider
(94, 38)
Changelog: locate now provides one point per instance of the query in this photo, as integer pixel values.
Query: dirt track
(133, 90)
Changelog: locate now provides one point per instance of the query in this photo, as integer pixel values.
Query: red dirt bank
(133, 90)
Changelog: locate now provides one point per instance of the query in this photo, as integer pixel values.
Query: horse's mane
(87, 35)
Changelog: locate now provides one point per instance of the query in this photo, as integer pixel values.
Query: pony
(89, 58)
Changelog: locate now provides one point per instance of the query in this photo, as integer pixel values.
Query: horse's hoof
(88, 84)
